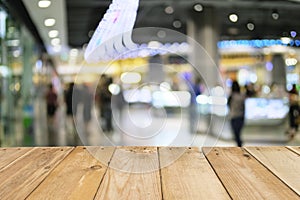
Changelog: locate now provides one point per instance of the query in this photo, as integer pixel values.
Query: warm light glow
(198, 7)
(44, 3)
(49, 22)
(74, 52)
(285, 40)
(291, 61)
(169, 10)
(233, 17)
(202, 99)
(250, 26)
(165, 86)
(57, 48)
(55, 41)
(177, 24)
(114, 89)
(131, 77)
(53, 33)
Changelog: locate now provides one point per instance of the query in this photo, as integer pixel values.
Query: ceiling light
(131, 77)
(198, 7)
(49, 22)
(154, 44)
(250, 26)
(291, 61)
(73, 52)
(91, 33)
(285, 40)
(55, 41)
(169, 10)
(53, 33)
(161, 34)
(233, 17)
(177, 24)
(57, 48)
(44, 3)
(293, 33)
(275, 14)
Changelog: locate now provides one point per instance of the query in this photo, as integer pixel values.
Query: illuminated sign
(257, 43)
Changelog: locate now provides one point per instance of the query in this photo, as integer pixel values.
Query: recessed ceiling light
(233, 17)
(73, 52)
(57, 48)
(250, 26)
(275, 14)
(293, 33)
(177, 24)
(285, 40)
(161, 34)
(44, 3)
(55, 41)
(169, 10)
(198, 7)
(49, 22)
(53, 33)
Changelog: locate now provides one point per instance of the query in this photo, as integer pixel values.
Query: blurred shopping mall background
(171, 88)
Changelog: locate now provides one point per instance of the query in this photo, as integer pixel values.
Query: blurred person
(52, 104)
(250, 90)
(118, 103)
(195, 87)
(87, 99)
(236, 103)
(294, 113)
(105, 105)
(71, 101)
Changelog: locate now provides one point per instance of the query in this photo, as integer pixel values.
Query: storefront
(18, 57)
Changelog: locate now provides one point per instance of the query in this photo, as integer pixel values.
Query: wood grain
(78, 176)
(21, 177)
(282, 162)
(244, 177)
(8, 155)
(295, 149)
(189, 176)
(133, 174)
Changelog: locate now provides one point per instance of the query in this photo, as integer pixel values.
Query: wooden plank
(188, 175)
(295, 149)
(244, 177)
(78, 176)
(282, 162)
(21, 177)
(133, 174)
(8, 155)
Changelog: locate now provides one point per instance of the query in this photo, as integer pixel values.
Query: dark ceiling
(84, 16)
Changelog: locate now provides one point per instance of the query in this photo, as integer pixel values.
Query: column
(203, 30)
(279, 72)
(156, 73)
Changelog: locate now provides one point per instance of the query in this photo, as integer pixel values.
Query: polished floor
(141, 126)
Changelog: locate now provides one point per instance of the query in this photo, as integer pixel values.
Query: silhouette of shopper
(71, 100)
(105, 105)
(236, 103)
(294, 112)
(87, 100)
(52, 103)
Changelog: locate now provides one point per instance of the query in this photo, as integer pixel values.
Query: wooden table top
(150, 173)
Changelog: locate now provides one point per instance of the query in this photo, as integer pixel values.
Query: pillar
(156, 73)
(279, 72)
(203, 33)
